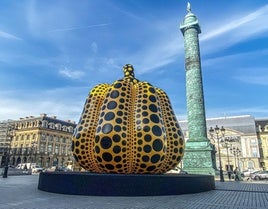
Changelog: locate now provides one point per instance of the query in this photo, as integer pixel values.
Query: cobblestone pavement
(19, 192)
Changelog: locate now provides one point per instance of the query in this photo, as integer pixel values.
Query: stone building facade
(43, 140)
(262, 133)
(239, 146)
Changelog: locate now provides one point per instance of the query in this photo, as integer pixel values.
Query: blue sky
(53, 52)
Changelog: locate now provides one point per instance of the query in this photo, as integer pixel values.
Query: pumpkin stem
(128, 71)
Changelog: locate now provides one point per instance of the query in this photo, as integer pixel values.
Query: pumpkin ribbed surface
(128, 127)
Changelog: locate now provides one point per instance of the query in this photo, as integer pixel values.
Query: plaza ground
(21, 192)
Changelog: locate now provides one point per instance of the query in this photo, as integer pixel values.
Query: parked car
(37, 169)
(246, 173)
(62, 169)
(259, 175)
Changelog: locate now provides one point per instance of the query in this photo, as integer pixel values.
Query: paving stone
(19, 192)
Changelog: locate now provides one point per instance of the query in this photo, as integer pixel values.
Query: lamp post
(236, 152)
(33, 146)
(10, 134)
(218, 131)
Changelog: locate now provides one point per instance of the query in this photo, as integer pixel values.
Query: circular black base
(83, 183)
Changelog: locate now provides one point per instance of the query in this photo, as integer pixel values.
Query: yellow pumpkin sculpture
(128, 127)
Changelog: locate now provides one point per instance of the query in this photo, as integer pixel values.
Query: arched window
(70, 129)
(250, 164)
(44, 123)
(58, 126)
(51, 125)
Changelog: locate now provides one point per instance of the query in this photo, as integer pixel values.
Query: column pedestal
(199, 158)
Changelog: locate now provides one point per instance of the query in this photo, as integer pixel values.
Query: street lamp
(218, 131)
(226, 142)
(10, 134)
(236, 152)
(33, 147)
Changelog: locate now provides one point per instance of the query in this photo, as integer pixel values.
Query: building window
(49, 148)
(253, 141)
(63, 140)
(43, 137)
(58, 126)
(56, 149)
(42, 147)
(254, 152)
(250, 164)
(44, 123)
(71, 129)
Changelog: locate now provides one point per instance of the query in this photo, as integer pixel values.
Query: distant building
(4, 140)
(43, 140)
(262, 133)
(243, 151)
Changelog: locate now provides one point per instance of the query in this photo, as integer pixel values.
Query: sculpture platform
(93, 184)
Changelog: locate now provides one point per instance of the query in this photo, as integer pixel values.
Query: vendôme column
(199, 154)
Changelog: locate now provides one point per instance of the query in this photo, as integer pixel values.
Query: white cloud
(94, 47)
(8, 36)
(72, 74)
(235, 29)
(254, 17)
(256, 111)
(66, 103)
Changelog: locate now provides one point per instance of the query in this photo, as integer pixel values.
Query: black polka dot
(147, 148)
(107, 157)
(157, 145)
(109, 166)
(109, 116)
(140, 142)
(118, 120)
(175, 150)
(77, 143)
(83, 140)
(152, 98)
(181, 141)
(116, 138)
(80, 128)
(153, 108)
(117, 85)
(155, 158)
(107, 128)
(118, 159)
(97, 139)
(114, 94)
(146, 128)
(119, 113)
(151, 168)
(99, 159)
(157, 130)
(117, 149)
(78, 136)
(147, 138)
(145, 120)
(106, 142)
(97, 149)
(151, 89)
(181, 150)
(111, 105)
(145, 158)
(117, 128)
(154, 118)
(145, 114)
